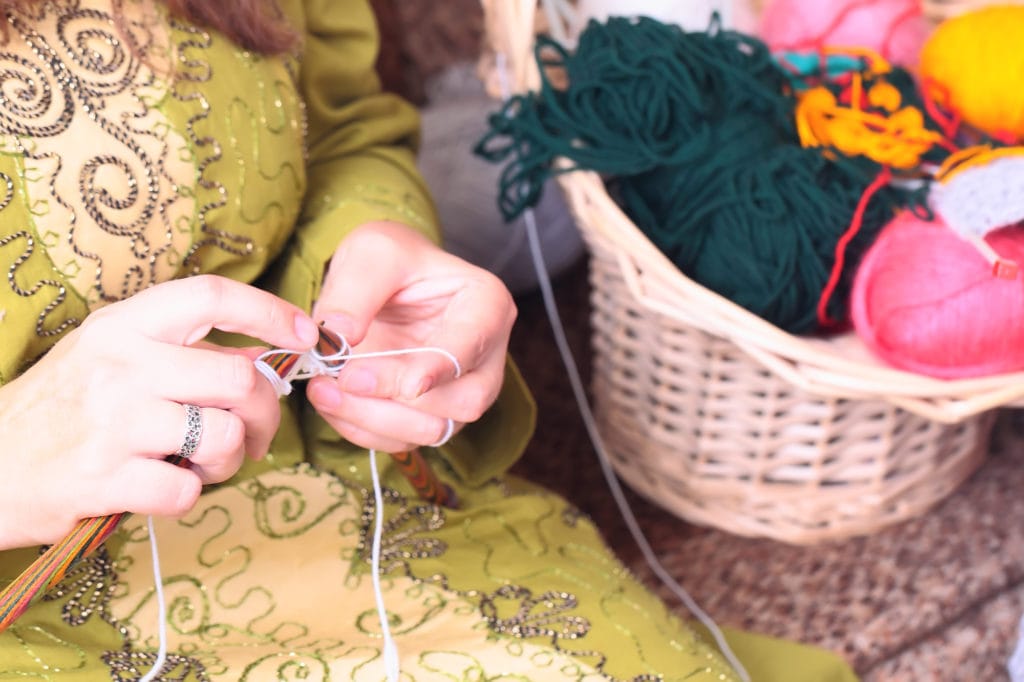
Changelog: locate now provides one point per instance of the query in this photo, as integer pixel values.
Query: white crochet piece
(977, 200)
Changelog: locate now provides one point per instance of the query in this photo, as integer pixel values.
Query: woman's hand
(390, 288)
(85, 431)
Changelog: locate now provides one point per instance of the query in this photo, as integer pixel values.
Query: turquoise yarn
(695, 134)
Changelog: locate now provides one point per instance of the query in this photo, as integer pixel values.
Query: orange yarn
(973, 157)
(977, 63)
(898, 140)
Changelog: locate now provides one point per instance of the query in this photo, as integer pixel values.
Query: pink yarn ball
(896, 29)
(927, 301)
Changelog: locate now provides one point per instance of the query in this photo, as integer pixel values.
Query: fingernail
(418, 387)
(326, 394)
(306, 330)
(359, 381)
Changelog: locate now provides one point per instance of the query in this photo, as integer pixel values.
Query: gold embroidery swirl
(108, 220)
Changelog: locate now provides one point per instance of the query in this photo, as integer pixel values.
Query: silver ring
(193, 431)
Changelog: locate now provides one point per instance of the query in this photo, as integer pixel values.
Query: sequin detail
(544, 615)
(406, 533)
(130, 666)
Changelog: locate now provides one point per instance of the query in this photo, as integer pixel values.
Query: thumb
(365, 273)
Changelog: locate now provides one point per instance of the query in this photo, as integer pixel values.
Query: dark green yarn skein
(695, 134)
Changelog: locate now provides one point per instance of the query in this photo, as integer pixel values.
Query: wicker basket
(726, 420)
(940, 10)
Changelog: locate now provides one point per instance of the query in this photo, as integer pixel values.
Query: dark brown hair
(256, 25)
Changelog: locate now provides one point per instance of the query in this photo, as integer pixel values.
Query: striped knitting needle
(53, 564)
(424, 481)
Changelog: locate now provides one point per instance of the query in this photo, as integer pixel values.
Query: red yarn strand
(931, 91)
(856, 223)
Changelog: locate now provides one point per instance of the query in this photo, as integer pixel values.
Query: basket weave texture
(726, 420)
(939, 10)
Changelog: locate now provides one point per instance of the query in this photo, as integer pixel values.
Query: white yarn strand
(391, 664)
(590, 423)
(309, 365)
(405, 351)
(609, 473)
(161, 607)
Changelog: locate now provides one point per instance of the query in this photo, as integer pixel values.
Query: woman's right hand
(85, 431)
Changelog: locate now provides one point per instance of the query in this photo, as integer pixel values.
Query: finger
(426, 377)
(405, 375)
(150, 486)
(367, 439)
(475, 329)
(472, 328)
(210, 378)
(467, 399)
(222, 441)
(199, 375)
(251, 352)
(184, 311)
(385, 419)
(362, 277)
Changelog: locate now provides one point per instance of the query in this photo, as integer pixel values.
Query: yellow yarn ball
(977, 59)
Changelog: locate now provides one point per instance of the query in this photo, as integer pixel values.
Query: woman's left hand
(388, 288)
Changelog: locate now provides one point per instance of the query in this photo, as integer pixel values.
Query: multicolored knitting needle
(51, 566)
